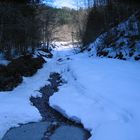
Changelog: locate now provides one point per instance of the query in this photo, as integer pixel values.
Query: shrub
(25, 65)
(134, 38)
(110, 57)
(102, 53)
(131, 54)
(137, 58)
(119, 56)
(8, 80)
(122, 44)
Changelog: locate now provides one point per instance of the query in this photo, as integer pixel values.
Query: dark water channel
(54, 126)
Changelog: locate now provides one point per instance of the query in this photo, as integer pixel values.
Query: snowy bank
(104, 95)
(15, 106)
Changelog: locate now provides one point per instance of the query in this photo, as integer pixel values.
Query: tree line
(28, 24)
(18, 27)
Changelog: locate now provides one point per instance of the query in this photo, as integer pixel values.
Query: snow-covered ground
(15, 106)
(103, 94)
(3, 61)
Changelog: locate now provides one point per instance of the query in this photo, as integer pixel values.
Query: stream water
(54, 126)
(36, 131)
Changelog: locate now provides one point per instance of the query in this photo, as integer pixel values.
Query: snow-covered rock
(121, 42)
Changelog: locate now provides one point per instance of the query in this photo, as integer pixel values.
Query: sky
(64, 3)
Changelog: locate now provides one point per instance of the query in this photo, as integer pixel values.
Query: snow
(124, 38)
(102, 94)
(3, 61)
(15, 106)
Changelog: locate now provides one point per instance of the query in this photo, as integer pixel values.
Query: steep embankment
(121, 42)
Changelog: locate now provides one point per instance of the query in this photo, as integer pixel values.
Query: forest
(35, 23)
(103, 17)
(26, 25)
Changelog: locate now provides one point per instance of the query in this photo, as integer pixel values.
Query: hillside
(121, 42)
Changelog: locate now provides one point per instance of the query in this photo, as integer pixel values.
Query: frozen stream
(54, 126)
(36, 131)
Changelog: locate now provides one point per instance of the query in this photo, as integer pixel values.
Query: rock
(11, 75)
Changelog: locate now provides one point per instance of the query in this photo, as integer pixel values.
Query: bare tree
(48, 25)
